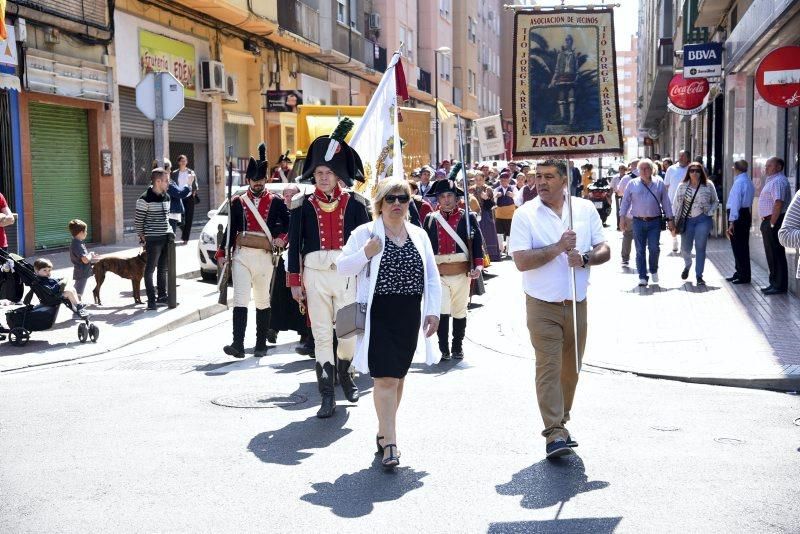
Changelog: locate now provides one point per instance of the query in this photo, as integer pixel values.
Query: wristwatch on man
(585, 259)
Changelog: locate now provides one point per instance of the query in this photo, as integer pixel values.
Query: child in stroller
(51, 294)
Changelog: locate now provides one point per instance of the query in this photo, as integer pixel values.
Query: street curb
(782, 384)
(184, 320)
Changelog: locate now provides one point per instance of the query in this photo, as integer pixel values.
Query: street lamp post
(444, 50)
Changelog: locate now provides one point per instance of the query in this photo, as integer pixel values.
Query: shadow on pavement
(355, 495)
(287, 445)
(441, 368)
(595, 525)
(550, 482)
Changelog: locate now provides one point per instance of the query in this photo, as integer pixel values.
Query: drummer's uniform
(454, 268)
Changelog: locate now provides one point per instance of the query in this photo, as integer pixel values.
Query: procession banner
(565, 84)
(490, 136)
(158, 53)
(377, 137)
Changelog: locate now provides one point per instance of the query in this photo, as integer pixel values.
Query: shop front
(10, 168)
(143, 46)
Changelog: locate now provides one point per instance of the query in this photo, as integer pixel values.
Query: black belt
(647, 219)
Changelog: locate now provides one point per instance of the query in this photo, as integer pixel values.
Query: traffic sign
(687, 97)
(703, 60)
(171, 96)
(778, 77)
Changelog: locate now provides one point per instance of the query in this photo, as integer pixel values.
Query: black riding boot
(306, 346)
(236, 349)
(346, 380)
(459, 329)
(325, 374)
(262, 329)
(444, 336)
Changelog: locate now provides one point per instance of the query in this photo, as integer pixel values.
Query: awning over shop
(245, 119)
(9, 81)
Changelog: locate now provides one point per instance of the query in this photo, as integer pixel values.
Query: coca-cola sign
(687, 95)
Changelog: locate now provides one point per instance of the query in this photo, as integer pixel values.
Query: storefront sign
(8, 48)
(162, 54)
(778, 77)
(687, 97)
(702, 60)
(284, 100)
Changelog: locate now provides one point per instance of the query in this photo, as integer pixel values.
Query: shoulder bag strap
(686, 211)
(257, 215)
(660, 207)
(452, 233)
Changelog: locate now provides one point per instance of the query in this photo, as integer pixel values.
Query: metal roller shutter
(60, 168)
(137, 153)
(132, 122)
(188, 134)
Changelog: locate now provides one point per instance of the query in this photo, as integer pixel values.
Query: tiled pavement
(720, 334)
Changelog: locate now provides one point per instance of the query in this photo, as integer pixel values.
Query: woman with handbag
(696, 199)
(398, 280)
(182, 176)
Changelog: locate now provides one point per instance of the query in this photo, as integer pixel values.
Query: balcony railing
(300, 19)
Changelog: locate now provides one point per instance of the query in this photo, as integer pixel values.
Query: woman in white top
(397, 277)
(695, 202)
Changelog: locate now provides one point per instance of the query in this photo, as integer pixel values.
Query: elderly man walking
(646, 201)
(544, 249)
(772, 204)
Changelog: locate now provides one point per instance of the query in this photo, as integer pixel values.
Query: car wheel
(208, 276)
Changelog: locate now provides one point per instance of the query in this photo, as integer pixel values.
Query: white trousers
(326, 293)
(251, 269)
(455, 295)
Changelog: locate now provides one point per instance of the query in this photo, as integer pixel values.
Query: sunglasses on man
(391, 199)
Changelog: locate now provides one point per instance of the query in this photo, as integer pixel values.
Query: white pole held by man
(574, 281)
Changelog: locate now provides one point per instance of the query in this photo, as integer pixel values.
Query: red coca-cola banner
(687, 95)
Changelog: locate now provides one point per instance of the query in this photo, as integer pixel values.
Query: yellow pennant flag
(443, 113)
(3, 34)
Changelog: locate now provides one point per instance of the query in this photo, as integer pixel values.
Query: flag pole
(574, 282)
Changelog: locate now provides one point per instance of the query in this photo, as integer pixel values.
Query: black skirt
(394, 329)
(285, 310)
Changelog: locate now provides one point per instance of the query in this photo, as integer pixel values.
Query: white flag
(377, 136)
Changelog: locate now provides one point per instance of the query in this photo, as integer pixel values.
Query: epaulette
(238, 194)
(361, 198)
(297, 200)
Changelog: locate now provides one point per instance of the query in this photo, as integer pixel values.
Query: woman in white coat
(397, 278)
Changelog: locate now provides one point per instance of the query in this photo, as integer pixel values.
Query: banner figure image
(565, 90)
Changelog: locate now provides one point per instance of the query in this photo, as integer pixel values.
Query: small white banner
(781, 77)
(490, 136)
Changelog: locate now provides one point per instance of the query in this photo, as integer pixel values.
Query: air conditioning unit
(212, 77)
(231, 93)
(374, 21)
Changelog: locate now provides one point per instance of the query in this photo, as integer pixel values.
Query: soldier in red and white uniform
(252, 248)
(458, 263)
(321, 223)
(283, 173)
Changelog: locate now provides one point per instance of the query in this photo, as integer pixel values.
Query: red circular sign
(778, 77)
(687, 94)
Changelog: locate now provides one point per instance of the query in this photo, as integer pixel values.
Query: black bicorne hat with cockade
(257, 169)
(447, 186)
(333, 152)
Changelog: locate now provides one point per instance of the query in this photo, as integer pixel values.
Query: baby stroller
(29, 318)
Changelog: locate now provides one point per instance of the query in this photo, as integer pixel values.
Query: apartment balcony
(300, 19)
(253, 17)
(424, 81)
(654, 97)
(710, 12)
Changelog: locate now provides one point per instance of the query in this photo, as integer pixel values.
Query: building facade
(626, 83)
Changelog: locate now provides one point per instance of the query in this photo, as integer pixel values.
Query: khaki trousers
(550, 327)
(326, 293)
(455, 295)
(251, 268)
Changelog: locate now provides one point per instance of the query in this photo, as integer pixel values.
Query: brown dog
(130, 268)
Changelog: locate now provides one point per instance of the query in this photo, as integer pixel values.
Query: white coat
(353, 262)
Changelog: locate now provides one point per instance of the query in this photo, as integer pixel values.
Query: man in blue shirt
(740, 218)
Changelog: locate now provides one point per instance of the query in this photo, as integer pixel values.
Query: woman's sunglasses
(391, 199)
(698, 171)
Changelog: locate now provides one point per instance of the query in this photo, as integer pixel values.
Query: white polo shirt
(536, 226)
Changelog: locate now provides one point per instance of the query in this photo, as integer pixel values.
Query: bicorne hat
(333, 152)
(447, 186)
(257, 169)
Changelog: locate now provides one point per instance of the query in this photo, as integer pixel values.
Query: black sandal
(378, 443)
(393, 460)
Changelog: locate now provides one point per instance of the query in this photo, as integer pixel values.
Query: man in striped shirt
(772, 204)
(151, 223)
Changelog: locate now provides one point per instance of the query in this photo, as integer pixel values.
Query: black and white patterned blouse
(401, 271)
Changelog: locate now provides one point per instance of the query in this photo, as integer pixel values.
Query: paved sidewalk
(718, 334)
(119, 319)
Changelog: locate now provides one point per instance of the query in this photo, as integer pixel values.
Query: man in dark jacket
(151, 223)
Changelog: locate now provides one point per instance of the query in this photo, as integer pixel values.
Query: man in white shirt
(544, 250)
(675, 175)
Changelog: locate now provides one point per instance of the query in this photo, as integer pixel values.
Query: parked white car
(217, 221)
